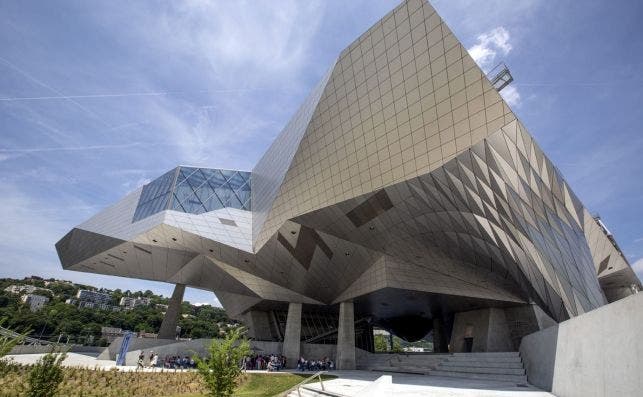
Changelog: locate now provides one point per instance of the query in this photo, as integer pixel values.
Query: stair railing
(303, 382)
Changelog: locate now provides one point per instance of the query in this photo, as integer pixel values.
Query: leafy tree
(381, 344)
(397, 346)
(83, 325)
(45, 377)
(222, 369)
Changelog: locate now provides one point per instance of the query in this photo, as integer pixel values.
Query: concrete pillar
(346, 336)
(168, 326)
(292, 336)
(258, 323)
(439, 336)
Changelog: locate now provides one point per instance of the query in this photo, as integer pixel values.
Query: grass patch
(268, 385)
(96, 383)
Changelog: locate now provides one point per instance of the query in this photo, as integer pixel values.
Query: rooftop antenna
(500, 76)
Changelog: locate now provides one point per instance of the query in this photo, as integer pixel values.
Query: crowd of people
(272, 362)
(170, 362)
(176, 362)
(325, 364)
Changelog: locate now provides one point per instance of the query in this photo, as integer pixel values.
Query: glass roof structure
(195, 191)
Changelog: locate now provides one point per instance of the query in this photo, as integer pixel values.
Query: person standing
(141, 358)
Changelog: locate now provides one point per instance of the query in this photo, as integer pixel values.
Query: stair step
(485, 359)
(484, 370)
(401, 370)
(498, 377)
(487, 354)
(482, 364)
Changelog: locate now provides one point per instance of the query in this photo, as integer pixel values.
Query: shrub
(7, 342)
(221, 370)
(46, 375)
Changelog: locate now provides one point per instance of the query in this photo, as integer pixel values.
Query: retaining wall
(599, 353)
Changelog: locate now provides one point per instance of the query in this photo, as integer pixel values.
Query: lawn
(265, 385)
(96, 383)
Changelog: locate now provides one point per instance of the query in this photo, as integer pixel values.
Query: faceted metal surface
(403, 174)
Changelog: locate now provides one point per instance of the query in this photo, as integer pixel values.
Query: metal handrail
(25, 339)
(303, 382)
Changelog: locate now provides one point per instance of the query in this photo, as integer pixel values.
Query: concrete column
(439, 336)
(346, 336)
(168, 326)
(258, 324)
(292, 336)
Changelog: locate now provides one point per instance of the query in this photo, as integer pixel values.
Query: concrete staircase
(501, 366)
(402, 363)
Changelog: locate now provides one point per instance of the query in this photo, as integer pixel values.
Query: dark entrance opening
(468, 345)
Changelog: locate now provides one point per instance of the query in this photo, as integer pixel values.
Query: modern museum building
(404, 194)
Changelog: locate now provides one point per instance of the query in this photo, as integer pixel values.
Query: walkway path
(350, 383)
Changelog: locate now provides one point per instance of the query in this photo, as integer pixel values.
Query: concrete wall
(488, 327)
(498, 338)
(524, 320)
(318, 351)
(170, 347)
(258, 324)
(28, 349)
(599, 353)
(135, 344)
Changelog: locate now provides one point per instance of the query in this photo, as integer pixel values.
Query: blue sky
(97, 98)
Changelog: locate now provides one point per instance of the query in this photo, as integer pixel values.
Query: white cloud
(511, 95)
(241, 42)
(5, 156)
(638, 268)
(491, 44)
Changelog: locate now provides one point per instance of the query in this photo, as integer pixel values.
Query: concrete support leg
(168, 326)
(346, 336)
(292, 336)
(258, 323)
(439, 336)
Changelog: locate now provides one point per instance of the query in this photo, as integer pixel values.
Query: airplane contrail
(75, 148)
(55, 91)
(122, 95)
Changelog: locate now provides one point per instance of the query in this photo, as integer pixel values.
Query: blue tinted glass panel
(213, 203)
(224, 193)
(227, 174)
(204, 192)
(217, 179)
(184, 173)
(195, 190)
(196, 179)
(183, 192)
(193, 205)
(244, 197)
(236, 181)
(234, 202)
(154, 195)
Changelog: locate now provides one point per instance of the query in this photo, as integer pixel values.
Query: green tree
(397, 345)
(381, 343)
(45, 377)
(221, 370)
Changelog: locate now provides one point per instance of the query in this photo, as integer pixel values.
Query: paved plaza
(352, 383)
